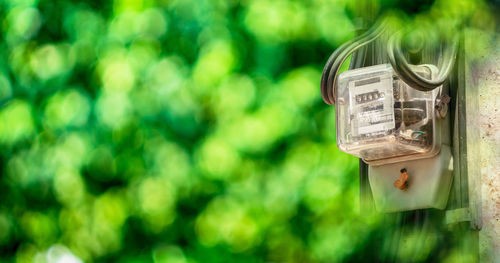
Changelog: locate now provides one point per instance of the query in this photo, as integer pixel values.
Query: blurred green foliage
(178, 131)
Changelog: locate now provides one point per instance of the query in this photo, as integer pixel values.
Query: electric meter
(402, 131)
(382, 120)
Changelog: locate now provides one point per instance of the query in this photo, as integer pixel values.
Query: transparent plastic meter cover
(379, 117)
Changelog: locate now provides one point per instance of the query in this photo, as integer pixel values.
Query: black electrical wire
(405, 72)
(396, 58)
(335, 61)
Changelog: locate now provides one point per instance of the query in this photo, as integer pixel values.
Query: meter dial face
(372, 106)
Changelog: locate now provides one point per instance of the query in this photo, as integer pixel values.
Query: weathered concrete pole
(485, 76)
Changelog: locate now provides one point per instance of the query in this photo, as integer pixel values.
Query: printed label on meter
(372, 106)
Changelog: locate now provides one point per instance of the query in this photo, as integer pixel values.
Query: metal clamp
(442, 106)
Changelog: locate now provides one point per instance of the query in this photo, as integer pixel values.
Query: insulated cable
(335, 61)
(405, 72)
(395, 56)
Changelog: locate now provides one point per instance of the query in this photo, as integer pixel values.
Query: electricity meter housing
(382, 120)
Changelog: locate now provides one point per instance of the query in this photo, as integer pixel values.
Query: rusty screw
(402, 182)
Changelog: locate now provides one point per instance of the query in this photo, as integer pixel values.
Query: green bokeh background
(179, 131)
